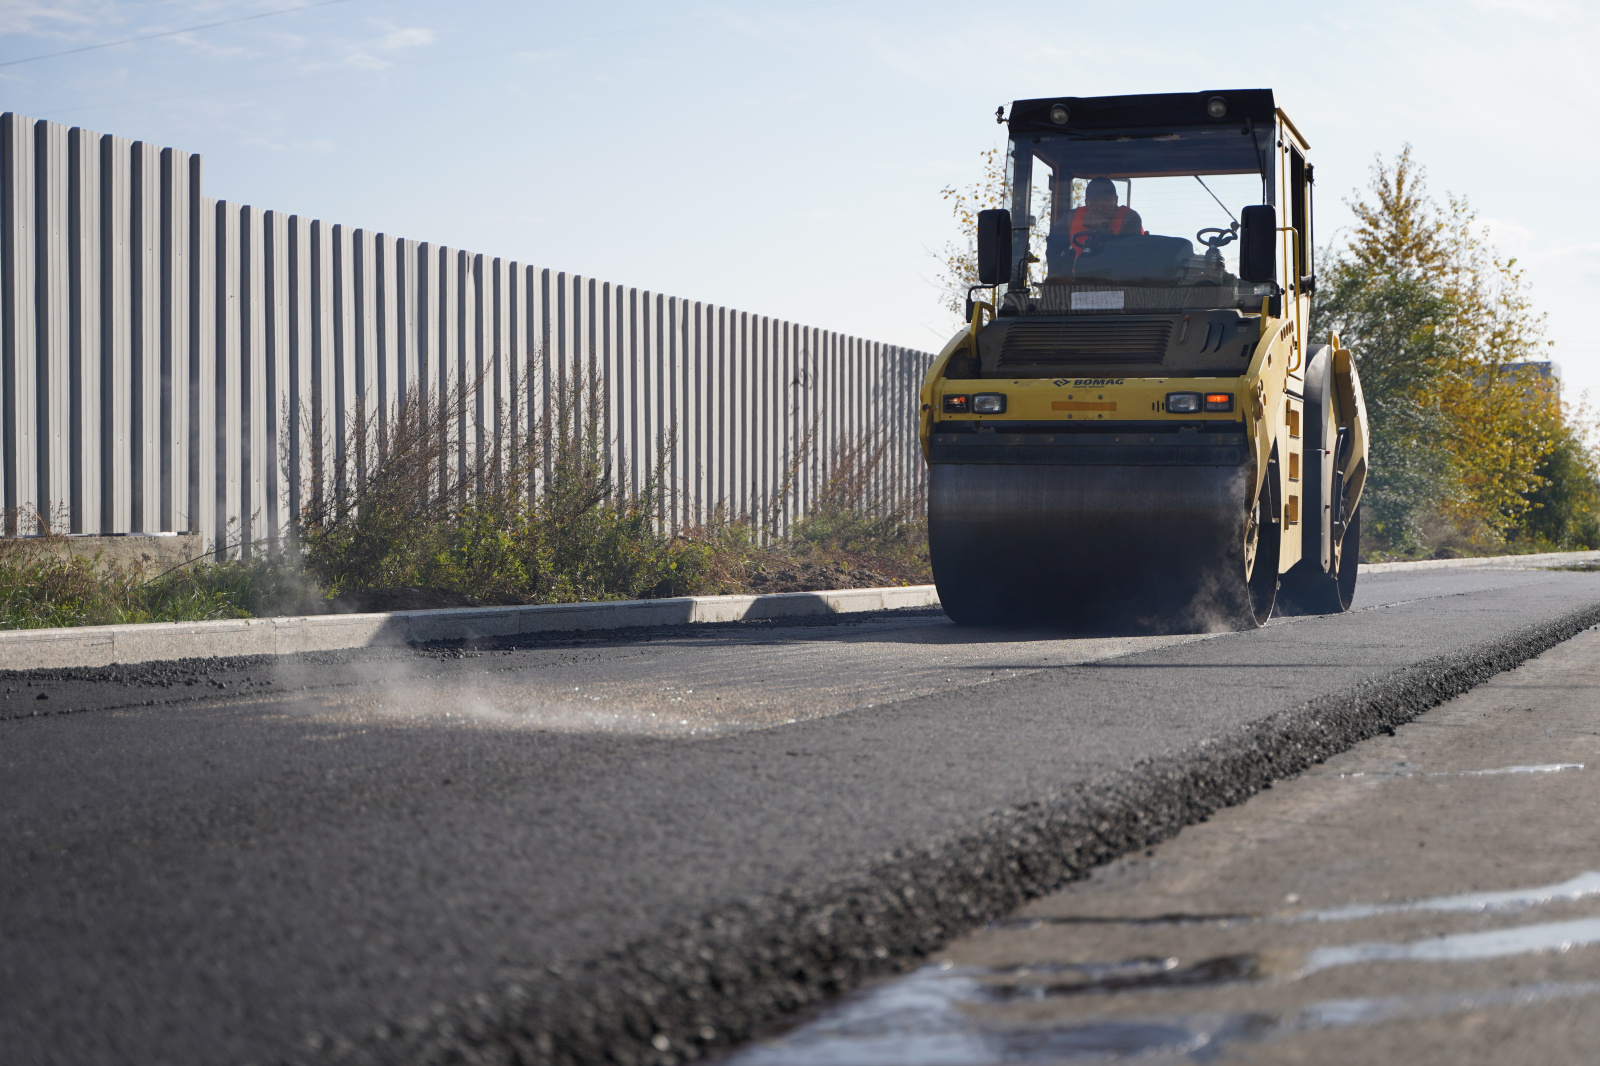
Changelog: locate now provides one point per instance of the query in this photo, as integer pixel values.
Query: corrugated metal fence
(174, 362)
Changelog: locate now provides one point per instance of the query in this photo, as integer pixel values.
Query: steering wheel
(1220, 236)
(1089, 240)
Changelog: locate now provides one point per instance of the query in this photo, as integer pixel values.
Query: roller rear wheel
(1247, 604)
(1308, 590)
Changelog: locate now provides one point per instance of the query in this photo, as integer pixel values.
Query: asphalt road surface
(1430, 898)
(639, 846)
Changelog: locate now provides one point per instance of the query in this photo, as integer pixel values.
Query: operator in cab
(1099, 215)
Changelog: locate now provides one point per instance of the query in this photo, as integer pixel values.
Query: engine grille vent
(1033, 343)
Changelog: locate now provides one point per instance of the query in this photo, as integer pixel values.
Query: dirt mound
(816, 576)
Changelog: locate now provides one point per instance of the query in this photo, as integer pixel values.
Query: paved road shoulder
(297, 887)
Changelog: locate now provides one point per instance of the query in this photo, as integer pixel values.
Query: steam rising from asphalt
(424, 691)
(732, 685)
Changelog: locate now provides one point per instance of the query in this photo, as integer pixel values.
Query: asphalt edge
(79, 647)
(1522, 561)
(698, 988)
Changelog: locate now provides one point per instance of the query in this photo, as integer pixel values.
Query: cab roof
(1149, 109)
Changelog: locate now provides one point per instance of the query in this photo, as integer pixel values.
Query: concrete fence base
(155, 552)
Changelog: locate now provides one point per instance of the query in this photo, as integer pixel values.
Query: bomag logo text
(1095, 383)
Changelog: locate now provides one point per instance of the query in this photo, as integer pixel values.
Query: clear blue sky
(787, 157)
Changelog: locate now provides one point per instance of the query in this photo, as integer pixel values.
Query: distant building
(1541, 380)
(1543, 369)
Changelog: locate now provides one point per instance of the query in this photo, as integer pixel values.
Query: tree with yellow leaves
(1464, 415)
(959, 262)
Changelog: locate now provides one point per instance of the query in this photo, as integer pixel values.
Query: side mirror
(1258, 243)
(994, 246)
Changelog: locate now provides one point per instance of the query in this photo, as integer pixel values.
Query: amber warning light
(1188, 403)
(959, 404)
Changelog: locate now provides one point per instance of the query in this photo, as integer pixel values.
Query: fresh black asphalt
(197, 868)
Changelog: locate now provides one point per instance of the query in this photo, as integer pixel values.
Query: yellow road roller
(1134, 428)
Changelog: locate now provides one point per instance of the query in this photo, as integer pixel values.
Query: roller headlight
(1183, 403)
(989, 403)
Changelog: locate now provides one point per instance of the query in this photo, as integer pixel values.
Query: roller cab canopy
(1149, 109)
(1143, 204)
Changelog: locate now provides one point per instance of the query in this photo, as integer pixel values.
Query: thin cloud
(393, 39)
(409, 37)
(210, 48)
(1549, 10)
(52, 19)
(320, 146)
(108, 10)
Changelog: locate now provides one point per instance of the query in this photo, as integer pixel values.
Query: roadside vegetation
(1475, 452)
(844, 540)
(474, 517)
(440, 512)
(43, 585)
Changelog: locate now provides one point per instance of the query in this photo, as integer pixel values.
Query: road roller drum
(1071, 545)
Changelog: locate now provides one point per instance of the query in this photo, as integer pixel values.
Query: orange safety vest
(1118, 217)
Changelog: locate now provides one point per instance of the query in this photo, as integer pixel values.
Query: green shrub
(1565, 515)
(541, 518)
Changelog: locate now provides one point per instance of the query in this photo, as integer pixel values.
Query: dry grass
(44, 586)
(851, 536)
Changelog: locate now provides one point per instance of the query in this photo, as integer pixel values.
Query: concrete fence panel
(170, 362)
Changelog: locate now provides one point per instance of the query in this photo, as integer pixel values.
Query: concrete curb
(35, 649)
(1546, 559)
